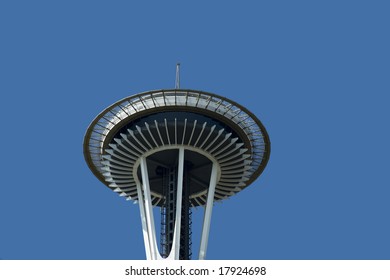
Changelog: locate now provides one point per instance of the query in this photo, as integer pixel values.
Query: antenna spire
(177, 82)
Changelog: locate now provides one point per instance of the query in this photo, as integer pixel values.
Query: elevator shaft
(168, 211)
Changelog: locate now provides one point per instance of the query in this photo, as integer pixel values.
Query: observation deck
(155, 124)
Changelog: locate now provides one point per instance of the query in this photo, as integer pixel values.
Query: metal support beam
(174, 255)
(154, 253)
(207, 213)
(145, 231)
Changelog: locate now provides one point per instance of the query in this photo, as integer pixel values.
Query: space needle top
(204, 122)
(176, 149)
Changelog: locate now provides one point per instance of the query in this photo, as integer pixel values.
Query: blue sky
(316, 73)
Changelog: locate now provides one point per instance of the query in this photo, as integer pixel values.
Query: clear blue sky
(316, 73)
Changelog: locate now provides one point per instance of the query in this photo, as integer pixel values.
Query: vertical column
(185, 234)
(175, 251)
(145, 231)
(149, 211)
(207, 213)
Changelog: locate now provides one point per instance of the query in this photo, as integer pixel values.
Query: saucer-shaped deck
(156, 124)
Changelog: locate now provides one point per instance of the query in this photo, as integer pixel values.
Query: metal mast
(177, 81)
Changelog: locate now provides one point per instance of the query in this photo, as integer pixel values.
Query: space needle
(176, 149)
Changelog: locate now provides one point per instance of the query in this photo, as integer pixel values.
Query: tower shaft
(176, 215)
(168, 210)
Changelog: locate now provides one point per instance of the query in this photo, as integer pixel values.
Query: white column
(145, 231)
(149, 211)
(207, 213)
(175, 251)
